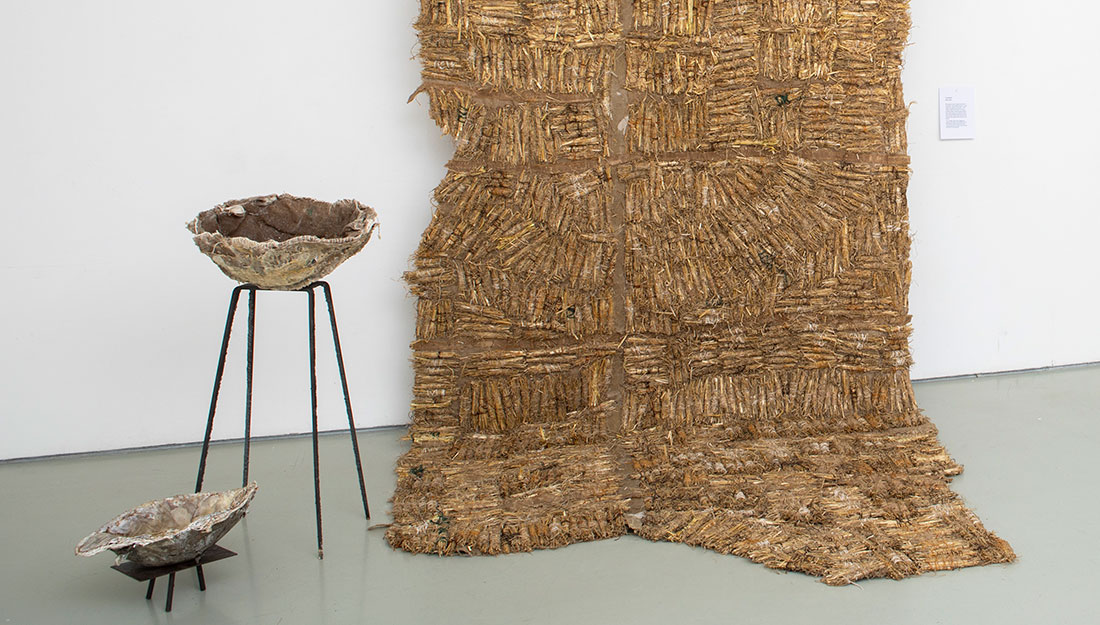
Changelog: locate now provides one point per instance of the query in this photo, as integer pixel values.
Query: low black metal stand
(151, 573)
(233, 300)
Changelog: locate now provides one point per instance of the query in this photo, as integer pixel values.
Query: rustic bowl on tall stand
(286, 243)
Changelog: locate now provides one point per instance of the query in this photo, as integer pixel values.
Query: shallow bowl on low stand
(172, 530)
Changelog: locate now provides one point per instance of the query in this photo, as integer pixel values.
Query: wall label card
(956, 113)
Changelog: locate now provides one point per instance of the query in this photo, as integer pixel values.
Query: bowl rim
(366, 220)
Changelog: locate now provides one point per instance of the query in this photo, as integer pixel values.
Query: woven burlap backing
(665, 289)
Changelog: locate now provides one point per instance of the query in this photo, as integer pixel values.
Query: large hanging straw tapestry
(665, 289)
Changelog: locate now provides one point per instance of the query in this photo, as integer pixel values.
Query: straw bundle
(665, 289)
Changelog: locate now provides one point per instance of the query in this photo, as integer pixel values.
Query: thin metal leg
(202, 580)
(347, 397)
(149, 593)
(313, 405)
(171, 591)
(218, 384)
(247, 388)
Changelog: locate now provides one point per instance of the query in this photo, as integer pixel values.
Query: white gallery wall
(1006, 270)
(119, 121)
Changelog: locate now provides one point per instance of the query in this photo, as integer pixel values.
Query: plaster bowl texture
(167, 531)
(282, 242)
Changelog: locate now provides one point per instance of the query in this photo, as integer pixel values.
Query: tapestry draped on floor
(665, 289)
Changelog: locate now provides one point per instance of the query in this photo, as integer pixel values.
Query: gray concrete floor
(1028, 442)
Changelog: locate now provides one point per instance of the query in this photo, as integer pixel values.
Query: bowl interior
(278, 218)
(173, 514)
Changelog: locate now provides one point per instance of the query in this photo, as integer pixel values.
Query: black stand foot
(171, 591)
(151, 573)
(310, 291)
(347, 397)
(313, 408)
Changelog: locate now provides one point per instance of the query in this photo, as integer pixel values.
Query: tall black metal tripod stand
(233, 301)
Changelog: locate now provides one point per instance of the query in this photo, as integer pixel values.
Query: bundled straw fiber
(665, 289)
